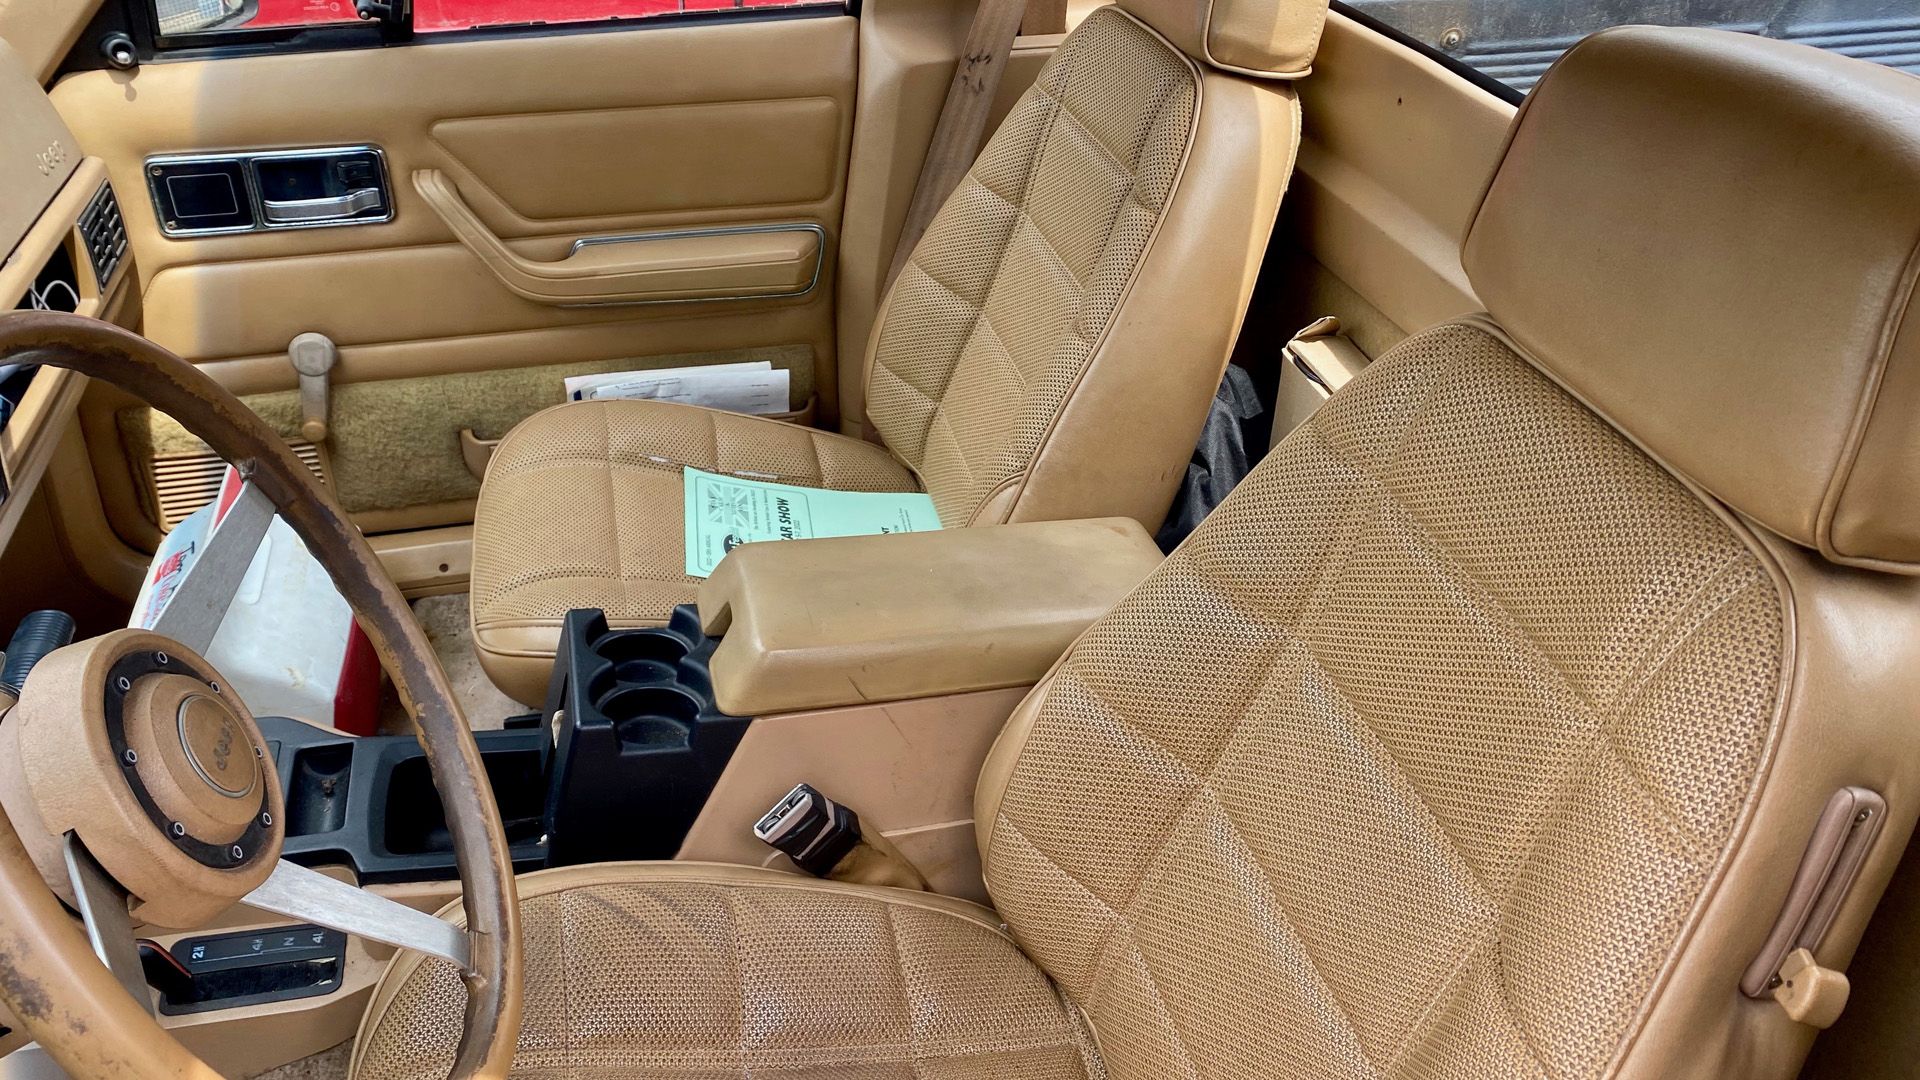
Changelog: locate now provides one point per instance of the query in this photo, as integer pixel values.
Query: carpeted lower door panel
(395, 444)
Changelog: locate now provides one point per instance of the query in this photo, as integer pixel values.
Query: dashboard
(66, 250)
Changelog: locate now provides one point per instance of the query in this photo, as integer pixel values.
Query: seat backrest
(1049, 348)
(1481, 731)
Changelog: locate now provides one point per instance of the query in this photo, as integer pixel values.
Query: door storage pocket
(394, 455)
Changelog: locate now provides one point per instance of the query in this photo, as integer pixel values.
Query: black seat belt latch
(811, 829)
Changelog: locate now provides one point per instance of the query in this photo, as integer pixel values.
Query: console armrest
(807, 624)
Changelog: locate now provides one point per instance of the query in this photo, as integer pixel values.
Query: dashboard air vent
(105, 235)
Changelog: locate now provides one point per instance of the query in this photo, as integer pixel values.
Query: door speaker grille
(179, 484)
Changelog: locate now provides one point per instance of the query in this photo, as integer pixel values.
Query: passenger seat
(1048, 352)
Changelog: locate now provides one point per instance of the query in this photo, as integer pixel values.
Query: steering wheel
(131, 773)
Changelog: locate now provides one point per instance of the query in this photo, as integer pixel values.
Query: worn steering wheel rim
(49, 977)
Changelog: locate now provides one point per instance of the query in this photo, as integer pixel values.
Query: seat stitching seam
(1118, 927)
(1000, 260)
(613, 501)
(1326, 580)
(1151, 112)
(1293, 930)
(906, 991)
(732, 905)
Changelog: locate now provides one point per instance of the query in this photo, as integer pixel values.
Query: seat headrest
(1268, 39)
(1711, 238)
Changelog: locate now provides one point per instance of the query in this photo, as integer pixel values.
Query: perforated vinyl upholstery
(1001, 305)
(591, 494)
(690, 973)
(1466, 739)
(1415, 758)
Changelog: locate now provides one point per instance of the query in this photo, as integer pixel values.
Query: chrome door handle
(331, 208)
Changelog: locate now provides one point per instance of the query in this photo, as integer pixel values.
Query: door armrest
(736, 263)
(808, 624)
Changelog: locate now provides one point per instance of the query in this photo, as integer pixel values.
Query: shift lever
(38, 634)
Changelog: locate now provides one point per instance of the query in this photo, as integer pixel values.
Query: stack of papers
(754, 387)
(724, 512)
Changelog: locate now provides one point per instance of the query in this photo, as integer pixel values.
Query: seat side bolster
(1120, 444)
(1844, 720)
(997, 771)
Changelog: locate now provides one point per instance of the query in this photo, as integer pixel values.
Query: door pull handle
(330, 208)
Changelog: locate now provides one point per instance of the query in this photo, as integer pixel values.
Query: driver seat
(1480, 733)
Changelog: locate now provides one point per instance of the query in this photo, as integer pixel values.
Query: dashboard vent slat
(104, 234)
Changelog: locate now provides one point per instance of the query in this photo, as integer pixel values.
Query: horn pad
(135, 744)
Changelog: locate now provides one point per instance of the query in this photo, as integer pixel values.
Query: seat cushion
(582, 508)
(684, 970)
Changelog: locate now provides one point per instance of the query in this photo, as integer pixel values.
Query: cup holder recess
(640, 656)
(650, 715)
(638, 740)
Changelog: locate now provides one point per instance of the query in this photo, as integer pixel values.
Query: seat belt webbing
(963, 120)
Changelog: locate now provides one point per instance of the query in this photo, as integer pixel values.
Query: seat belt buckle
(811, 829)
(1324, 356)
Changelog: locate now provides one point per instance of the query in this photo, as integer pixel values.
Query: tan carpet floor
(445, 620)
(329, 1064)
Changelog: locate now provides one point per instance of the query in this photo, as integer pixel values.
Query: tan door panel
(723, 154)
(1394, 152)
(234, 296)
(399, 98)
(737, 131)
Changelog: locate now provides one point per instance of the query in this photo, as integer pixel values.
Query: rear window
(1514, 41)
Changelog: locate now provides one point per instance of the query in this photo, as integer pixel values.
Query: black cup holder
(639, 742)
(317, 793)
(417, 823)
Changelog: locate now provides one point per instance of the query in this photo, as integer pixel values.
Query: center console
(630, 757)
(878, 669)
(616, 767)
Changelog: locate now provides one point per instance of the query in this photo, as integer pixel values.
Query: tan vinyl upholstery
(1466, 738)
(692, 971)
(1824, 447)
(594, 495)
(1251, 37)
(1051, 346)
(1431, 738)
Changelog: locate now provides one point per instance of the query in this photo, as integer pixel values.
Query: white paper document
(755, 387)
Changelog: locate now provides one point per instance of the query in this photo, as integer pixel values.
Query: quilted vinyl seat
(594, 494)
(1047, 352)
(1479, 733)
(692, 971)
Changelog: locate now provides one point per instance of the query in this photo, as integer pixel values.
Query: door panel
(554, 167)
(545, 140)
(1395, 150)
